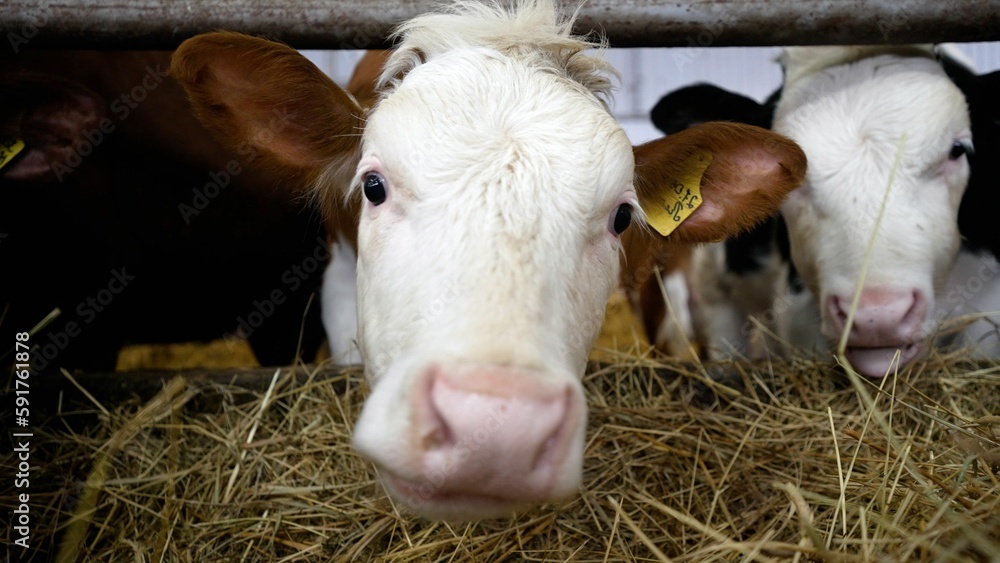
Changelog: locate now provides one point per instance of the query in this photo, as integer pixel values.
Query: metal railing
(361, 24)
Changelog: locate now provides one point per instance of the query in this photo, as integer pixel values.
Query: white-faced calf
(497, 189)
(880, 126)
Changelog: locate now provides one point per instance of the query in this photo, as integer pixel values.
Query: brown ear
(54, 121)
(366, 74)
(750, 172)
(265, 96)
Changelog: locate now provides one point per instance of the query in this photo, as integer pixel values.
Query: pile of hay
(790, 461)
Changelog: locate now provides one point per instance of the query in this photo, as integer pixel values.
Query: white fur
(677, 329)
(503, 167)
(799, 322)
(732, 303)
(972, 295)
(850, 109)
(340, 315)
(501, 203)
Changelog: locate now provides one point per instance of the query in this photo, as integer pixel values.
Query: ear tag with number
(9, 148)
(673, 204)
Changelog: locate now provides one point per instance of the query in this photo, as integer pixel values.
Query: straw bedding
(768, 461)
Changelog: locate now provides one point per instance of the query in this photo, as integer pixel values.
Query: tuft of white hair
(535, 32)
(801, 62)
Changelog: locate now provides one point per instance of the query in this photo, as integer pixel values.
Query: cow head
(876, 124)
(497, 188)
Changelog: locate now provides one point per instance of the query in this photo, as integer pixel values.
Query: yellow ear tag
(673, 204)
(9, 148)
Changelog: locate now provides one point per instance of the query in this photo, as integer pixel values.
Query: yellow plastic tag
(669, 208)
(9, 148)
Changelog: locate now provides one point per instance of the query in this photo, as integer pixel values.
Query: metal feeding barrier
(361, 24)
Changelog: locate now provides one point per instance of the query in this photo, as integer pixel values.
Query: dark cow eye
(621, 218)
(959, 148)
(374, 188)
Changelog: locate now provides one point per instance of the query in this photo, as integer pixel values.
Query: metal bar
(360, 24)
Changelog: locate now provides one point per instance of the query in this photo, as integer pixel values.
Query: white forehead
(473, 116)
(852, 114)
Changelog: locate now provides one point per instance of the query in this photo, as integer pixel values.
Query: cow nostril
(548, 448)
(836, 311)
(841, 312)
(435, 439)
(437, 433)
(885, 316)
(915, 313)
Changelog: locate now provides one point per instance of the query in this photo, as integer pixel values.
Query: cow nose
(885, 316)
(496, 431)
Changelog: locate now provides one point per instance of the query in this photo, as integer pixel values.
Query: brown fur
(236, 82)
(343, 220)
(752, 171)
(366, 74)
(113, 160)
(266, 94)
(253, 92)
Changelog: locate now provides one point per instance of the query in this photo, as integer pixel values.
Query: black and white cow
(855, 110)
(887, 134)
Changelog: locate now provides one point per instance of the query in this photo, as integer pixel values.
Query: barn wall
(649, 73)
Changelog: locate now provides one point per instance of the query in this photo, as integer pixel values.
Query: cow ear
(688, 106)
(725, 177)
(45, 122)
(366, 74)
(265, 96)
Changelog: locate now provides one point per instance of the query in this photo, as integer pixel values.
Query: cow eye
(374, 188)
(959, 148)
(621, 218)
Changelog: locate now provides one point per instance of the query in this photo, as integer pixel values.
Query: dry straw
(771, 461)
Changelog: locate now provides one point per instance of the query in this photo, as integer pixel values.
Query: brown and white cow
(136, 223)
(715, 289)
(497, 189)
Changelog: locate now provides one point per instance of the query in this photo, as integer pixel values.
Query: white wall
(648, 74)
